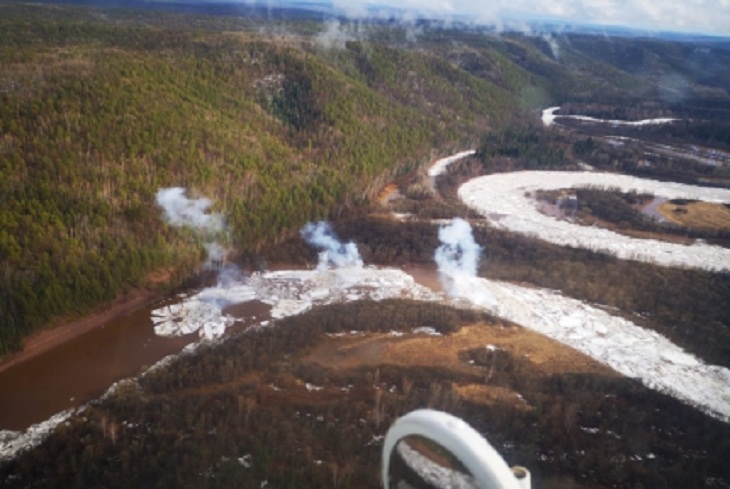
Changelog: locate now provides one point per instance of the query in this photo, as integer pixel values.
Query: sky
(690, 16)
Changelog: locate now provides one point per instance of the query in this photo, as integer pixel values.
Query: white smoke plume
(413, 32)
(553, 44)
(181, 211)
(458, 253)
(334, 254)
(230, 276)
(458, 260)
(336, 35)
(673, 88)
(217, 254)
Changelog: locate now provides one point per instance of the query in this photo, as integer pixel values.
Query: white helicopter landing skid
(487, 468)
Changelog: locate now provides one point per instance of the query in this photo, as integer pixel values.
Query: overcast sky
(697, 16)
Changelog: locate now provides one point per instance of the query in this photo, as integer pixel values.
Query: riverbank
(52, 337)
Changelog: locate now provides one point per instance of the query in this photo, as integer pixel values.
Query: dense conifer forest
(100, 112)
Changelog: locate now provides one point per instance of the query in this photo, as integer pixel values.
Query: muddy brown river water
(82, 369)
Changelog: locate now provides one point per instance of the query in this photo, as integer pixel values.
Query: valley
(333, 225)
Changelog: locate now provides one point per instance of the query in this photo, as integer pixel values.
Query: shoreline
(47, 339)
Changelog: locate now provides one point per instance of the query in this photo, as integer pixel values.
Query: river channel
(83, 368)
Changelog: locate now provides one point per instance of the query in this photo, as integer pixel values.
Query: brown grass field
(445, 352)
(698, 215)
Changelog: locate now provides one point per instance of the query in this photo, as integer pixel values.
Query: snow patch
(14, 442)
(246, 461)
(549, 116)
(440, 166)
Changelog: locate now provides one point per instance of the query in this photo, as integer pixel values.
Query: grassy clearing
(697, 215)
(411, 350)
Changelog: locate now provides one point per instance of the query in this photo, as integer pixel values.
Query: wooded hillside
(97, 115)
(277, 123)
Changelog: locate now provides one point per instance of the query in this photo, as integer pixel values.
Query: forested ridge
(273, 122)
(98, 115)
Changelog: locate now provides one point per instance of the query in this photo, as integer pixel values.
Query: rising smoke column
(181, 211)
(193, 213)
(335, 253)
(203, 311)
(458, 253)
(458, 259)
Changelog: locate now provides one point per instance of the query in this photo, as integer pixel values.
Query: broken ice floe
(504, 194)
(435, 474)
(201, 312)
(14, 442)
(289, 292)
(549, 116)
(627, 348)
(289, 307)
(427, 330)
(439, 167)
(330, 286)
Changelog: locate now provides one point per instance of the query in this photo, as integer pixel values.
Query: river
(83, 368)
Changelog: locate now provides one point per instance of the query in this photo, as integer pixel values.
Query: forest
(274, 121)
(97, 115)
